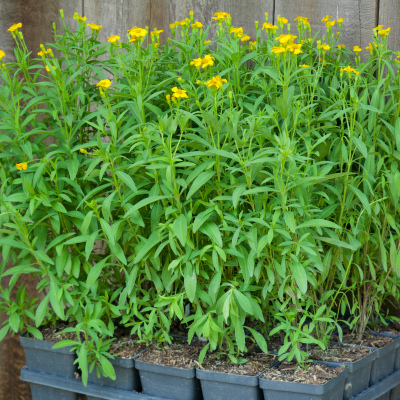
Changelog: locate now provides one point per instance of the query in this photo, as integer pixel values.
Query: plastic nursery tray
(76, 386)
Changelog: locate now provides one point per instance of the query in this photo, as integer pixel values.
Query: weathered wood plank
(389, 16)
(117, 16)
(38, 17)
(243, 14)
(360, 17)
(9, 14)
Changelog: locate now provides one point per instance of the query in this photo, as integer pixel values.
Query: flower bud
(256, 24)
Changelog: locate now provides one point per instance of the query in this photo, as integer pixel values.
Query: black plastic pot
(169, 382)
(221, 386)
(279, 390)
(384, 364)
(41, 357)
(127, 376)
(359, 373)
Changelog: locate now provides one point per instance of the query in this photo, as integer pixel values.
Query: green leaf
(14, 321)
(211, 230)
(361, 146)
(202, 179)
(4, 331)
(108, 231)
(73, 166)
(95, 272)
(148, 245)
(180, 229)
(190, 282)
(337, 243)
(89, 244)
(57, 206)
(127, 180)
(318, 223)
(300, 276)
(41, 310)
(143, 203)
(362, 198)
(290, 221)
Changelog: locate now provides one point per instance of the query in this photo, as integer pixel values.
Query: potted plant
(235, 189)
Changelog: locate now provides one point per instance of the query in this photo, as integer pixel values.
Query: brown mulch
(179, 354)
(274, 343)
(338, 353)
(315, 374)
(256, 363)
(368, 340)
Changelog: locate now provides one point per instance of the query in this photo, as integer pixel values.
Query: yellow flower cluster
(215, 82)
(113, 39)
(287, 44)
(221, 16)
(349, 70)
(94, 26)
(21, 166)
(14, 27)
(357, 49)
(282, 20)
(43, 52)
(304, 20)
(104, 84)
(269, 27)
(206, 61)
(177, 94)
(78, 17)
(139, 33)
(2, 54)
(197, 25)
(238, 31)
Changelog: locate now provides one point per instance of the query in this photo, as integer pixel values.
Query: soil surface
(274, 343)
(179, 354)
(256, 363)
(368, 340)
(392, 329)
(338, 353)
(315, 374)
(52, 333)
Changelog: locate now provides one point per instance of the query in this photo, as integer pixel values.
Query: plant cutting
(234, 188)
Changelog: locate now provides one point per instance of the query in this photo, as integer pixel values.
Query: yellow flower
(198, 82)
(384, 32)
(94, 26)
(357, 49)
(369, 47)
(216, 82)
(349, 70)
(269, 27)
(325, 47)
(168, 97)
(339, 20)
(14, 27)
(172, 26)
(181, 23)
(197, 24)
(83, 151)
(398, 54)
(179, 93)
(300, 18)
(378, 28)
(245, 38)
(304, 66)
(294, 48)
(285, 39)
(239, 31)
(330, 24)
(22, 166)
(221, 16)
(152, 32)
(2, 54)
(113, 39)
(326, 18)
(43, 52)
(197, 62)
(104, 84)
(207, 61)
(341, 46)
(137, 33)
(278, 49)
(282, 20)
(207, 41)
(48, 69)
(253, 45)
(78, 17)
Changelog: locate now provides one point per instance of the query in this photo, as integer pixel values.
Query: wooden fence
(116, 16)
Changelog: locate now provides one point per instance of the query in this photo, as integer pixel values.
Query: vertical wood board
(389, 16)
(360, 17)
